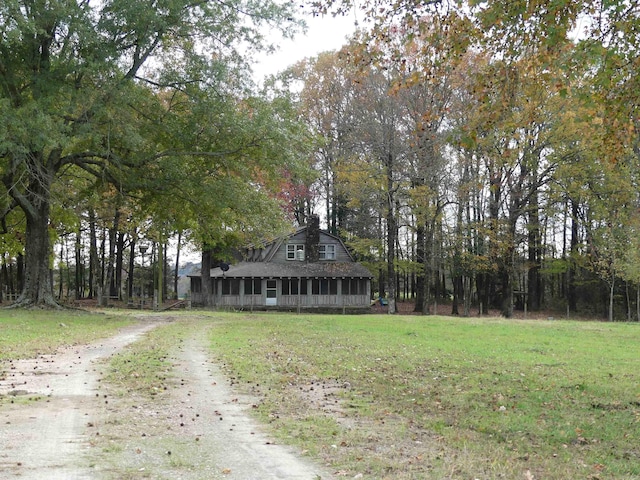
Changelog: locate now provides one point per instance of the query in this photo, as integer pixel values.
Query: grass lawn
(403, 397)
(27, 333)
(430, 397)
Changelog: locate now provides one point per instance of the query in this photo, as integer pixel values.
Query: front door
(272, 292)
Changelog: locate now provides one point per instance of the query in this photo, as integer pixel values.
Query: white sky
(323, 34)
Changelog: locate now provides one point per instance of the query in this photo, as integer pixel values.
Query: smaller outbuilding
(308, 270)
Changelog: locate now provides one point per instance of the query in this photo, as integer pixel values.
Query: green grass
(402, 397)
(27, 333)
(145, 367)
(431, 397)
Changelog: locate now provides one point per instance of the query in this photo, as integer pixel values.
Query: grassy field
(430, 397)
(403, 397)
(144, 366)
(25, 334)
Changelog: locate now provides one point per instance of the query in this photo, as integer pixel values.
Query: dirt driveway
(64, 423)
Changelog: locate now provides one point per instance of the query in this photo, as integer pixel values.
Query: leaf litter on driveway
(65, 424)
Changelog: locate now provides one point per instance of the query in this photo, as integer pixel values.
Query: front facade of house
(309, 269)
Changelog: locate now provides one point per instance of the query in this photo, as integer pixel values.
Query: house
(307, 270)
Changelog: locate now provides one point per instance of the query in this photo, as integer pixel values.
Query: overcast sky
(324, 33)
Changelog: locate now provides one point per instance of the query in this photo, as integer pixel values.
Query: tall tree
(550, 105)
(71, 78)
(423, 89)
(325, 102)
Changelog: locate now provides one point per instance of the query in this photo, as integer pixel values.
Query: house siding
(304, 301)
(269, 265)
(299, 239)
(250, 302)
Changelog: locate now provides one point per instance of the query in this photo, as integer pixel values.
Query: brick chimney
(312, 240)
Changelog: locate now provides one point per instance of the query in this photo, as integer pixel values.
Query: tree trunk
(206, 277)
(7, 272)
(5, 275)
(94, 264)
(428, 273)
(37, 288)
(78, 273)
(165, 270)
(102, 263)
(506, 308)
(391, 268)
(508, 272)
(425, 286)
(467, 282)
(572, 300)
(19, 273)
(420, 276)
(534, 282)
(117, 283)
(611, 291)
(458, 293)
(392, 232)
(158, 291)
(382, 288)
(61, 273)
(131, 276)
(175, 273)
(108, 285)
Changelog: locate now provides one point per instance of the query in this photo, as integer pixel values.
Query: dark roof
(258, 264)
(293, 269)
(266, 252)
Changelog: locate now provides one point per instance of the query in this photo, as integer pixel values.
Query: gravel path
(78, 430)
(44, 431)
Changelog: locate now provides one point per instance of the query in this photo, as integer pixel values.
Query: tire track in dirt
(199, 428)
(44, 433)
(65, 424)
(239, 447)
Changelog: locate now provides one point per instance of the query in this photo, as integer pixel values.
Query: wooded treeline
(124, 122)
(480, 154)
(483, 174)
(104, 263)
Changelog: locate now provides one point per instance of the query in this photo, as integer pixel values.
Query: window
(230, 286)
(252, 286)
(324, 286)
(354, 286)
(293, 249)
(289, 286)
(327, 252)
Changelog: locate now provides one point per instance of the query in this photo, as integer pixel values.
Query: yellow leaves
(422, 197)
(361, 179)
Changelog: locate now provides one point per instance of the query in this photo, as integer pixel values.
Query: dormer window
(327, 252)
(295, 251)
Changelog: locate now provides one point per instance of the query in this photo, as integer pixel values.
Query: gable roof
(259, 263)
(274, 246)
(293, 269)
